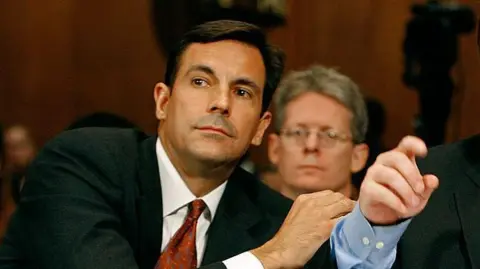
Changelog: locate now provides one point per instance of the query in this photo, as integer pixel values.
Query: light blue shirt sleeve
(356, 244)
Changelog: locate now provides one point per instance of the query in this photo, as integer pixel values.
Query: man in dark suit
(447, 233)
(116, 198)
(111, 198)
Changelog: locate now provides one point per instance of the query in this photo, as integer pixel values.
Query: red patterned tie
(181, 251)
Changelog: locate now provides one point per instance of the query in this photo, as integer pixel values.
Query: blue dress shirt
(356, 244)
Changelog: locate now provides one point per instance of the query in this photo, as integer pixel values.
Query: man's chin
(310, 184)
(213, 153)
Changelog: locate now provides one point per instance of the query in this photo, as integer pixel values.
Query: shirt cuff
(242, 261)
(371, 243)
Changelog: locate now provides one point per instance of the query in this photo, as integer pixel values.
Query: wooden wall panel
(35, 64)
(60, 59)
(465, 121)
(116, 59)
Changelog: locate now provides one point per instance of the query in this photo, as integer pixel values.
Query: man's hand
(393, 188)
(307, 226)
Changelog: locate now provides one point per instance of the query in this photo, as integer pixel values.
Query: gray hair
(328, 82)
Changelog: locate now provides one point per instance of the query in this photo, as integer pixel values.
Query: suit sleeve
(67, 216)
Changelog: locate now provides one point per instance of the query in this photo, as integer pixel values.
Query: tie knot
(196, 208)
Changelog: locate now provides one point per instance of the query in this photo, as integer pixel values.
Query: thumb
(431, 184)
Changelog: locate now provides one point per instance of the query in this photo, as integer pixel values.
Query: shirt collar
(175, 193)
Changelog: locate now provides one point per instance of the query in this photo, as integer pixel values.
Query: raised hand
(393, 188)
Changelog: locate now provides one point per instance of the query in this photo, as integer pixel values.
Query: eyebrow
(247, 82)
(208, 70)
(322, 127)
(201, 68)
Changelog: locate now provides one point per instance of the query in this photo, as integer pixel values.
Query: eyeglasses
(327, 138)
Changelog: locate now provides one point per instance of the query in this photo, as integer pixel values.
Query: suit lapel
(467, 197)
(149, 206)
(229, 233)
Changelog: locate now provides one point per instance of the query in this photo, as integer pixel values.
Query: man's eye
(198, 82)
(298, 133)
(331, 134)
(243, 92)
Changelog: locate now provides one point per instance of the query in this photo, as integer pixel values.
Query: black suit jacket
(446, 234)
(92, 199)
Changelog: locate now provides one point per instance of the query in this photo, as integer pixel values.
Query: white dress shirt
(175, 199)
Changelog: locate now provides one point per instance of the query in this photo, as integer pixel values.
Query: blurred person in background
(19, 149)
(319, 141)
(320, 124)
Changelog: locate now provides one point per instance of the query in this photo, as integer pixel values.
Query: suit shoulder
(101, 151)
(267, 199)
(96, 138)
(452, 158)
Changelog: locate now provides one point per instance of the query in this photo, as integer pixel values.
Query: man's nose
(220, 100)
(312, 142)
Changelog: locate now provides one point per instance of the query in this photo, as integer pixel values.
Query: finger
(321, 193)
(343, 214)
(400, 162)
(431, 181)
(431, 184)
(382, 195)
(339, 208)
(396, 183)
(412, 146)
(330, 199)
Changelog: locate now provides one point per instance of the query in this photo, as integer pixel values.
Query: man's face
(19, 148)
(307, 157)
(213, 111)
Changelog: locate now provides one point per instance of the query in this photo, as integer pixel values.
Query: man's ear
(262, 127)
(274, 148)
(359, 157)
(161, 94)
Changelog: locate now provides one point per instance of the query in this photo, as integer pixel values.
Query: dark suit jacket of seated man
(447, 233)
(103, 194)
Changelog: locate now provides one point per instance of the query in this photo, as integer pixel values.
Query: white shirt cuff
(242, 261)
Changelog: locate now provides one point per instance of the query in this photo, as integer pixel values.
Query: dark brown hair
(213, 31)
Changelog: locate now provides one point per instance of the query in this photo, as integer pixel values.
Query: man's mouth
(213, 130)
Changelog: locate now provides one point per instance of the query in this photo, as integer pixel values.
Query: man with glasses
(320, 122)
